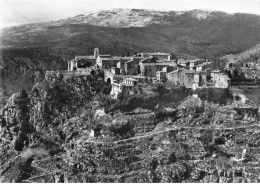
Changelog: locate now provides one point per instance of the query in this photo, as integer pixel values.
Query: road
(172, 129)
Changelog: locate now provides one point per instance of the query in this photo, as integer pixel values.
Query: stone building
(161, 75)
(194, 79)
(129, 86)
(169, 68)
(194, 63)
(183, 63)
(115, 70)
(176, 76)
(203, 66)
(214, 74)
(108, 61)
(141, 79)
(83, 61)
(120, 64)
(150, 69)
(132, 66)
(251, 73)
(158, 56)
(189, 78)
(222, 81)
(96, 130)
(72, 65)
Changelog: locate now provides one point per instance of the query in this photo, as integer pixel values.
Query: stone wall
(63, 75)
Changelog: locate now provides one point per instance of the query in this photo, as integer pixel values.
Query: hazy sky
(13, 12)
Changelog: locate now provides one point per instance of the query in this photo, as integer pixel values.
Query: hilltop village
(125, 74)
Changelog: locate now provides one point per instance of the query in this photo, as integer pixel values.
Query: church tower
(96, 53)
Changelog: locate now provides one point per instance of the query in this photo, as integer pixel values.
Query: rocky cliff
(46, 136)
(22, 68)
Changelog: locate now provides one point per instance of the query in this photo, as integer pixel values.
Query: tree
(90, 116)
(161, 89)
(120, 96)
(174, 56)
(24, 94)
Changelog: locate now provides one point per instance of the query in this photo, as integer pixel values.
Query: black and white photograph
(129, 91)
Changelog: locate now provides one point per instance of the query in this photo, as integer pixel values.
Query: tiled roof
(194, 60)
(104, 55)
(84, 57)
(189, 71)
(182, 61)
(131, 79)
(124, 58)
(224, 76)
(130, 61)
(155, 53)
(181, 69)
(109, 59)
(193, 72)
(155, 64)
(136, 76)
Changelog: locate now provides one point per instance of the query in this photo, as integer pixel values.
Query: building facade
(129, 86)
(222, 81)
(161, 75)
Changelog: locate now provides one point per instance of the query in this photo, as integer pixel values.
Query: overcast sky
(14, 12)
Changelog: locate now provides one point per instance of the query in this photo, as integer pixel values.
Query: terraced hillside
(196, 139)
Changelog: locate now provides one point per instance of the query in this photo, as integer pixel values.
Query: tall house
(129, 86)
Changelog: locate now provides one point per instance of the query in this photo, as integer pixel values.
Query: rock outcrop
(48, 135)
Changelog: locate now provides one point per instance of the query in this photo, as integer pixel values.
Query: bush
(129, 103)
(24, 94)
(216, 95)
(146, 101)
(162, 90)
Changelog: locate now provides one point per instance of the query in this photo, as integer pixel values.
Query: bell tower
(96, 53)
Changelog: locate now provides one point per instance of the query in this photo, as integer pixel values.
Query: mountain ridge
(125, 29)
(196, 13)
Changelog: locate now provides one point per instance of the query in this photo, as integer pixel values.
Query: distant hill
(187, 33)
(250, 55)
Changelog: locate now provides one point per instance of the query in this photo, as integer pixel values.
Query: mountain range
(201, 33)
